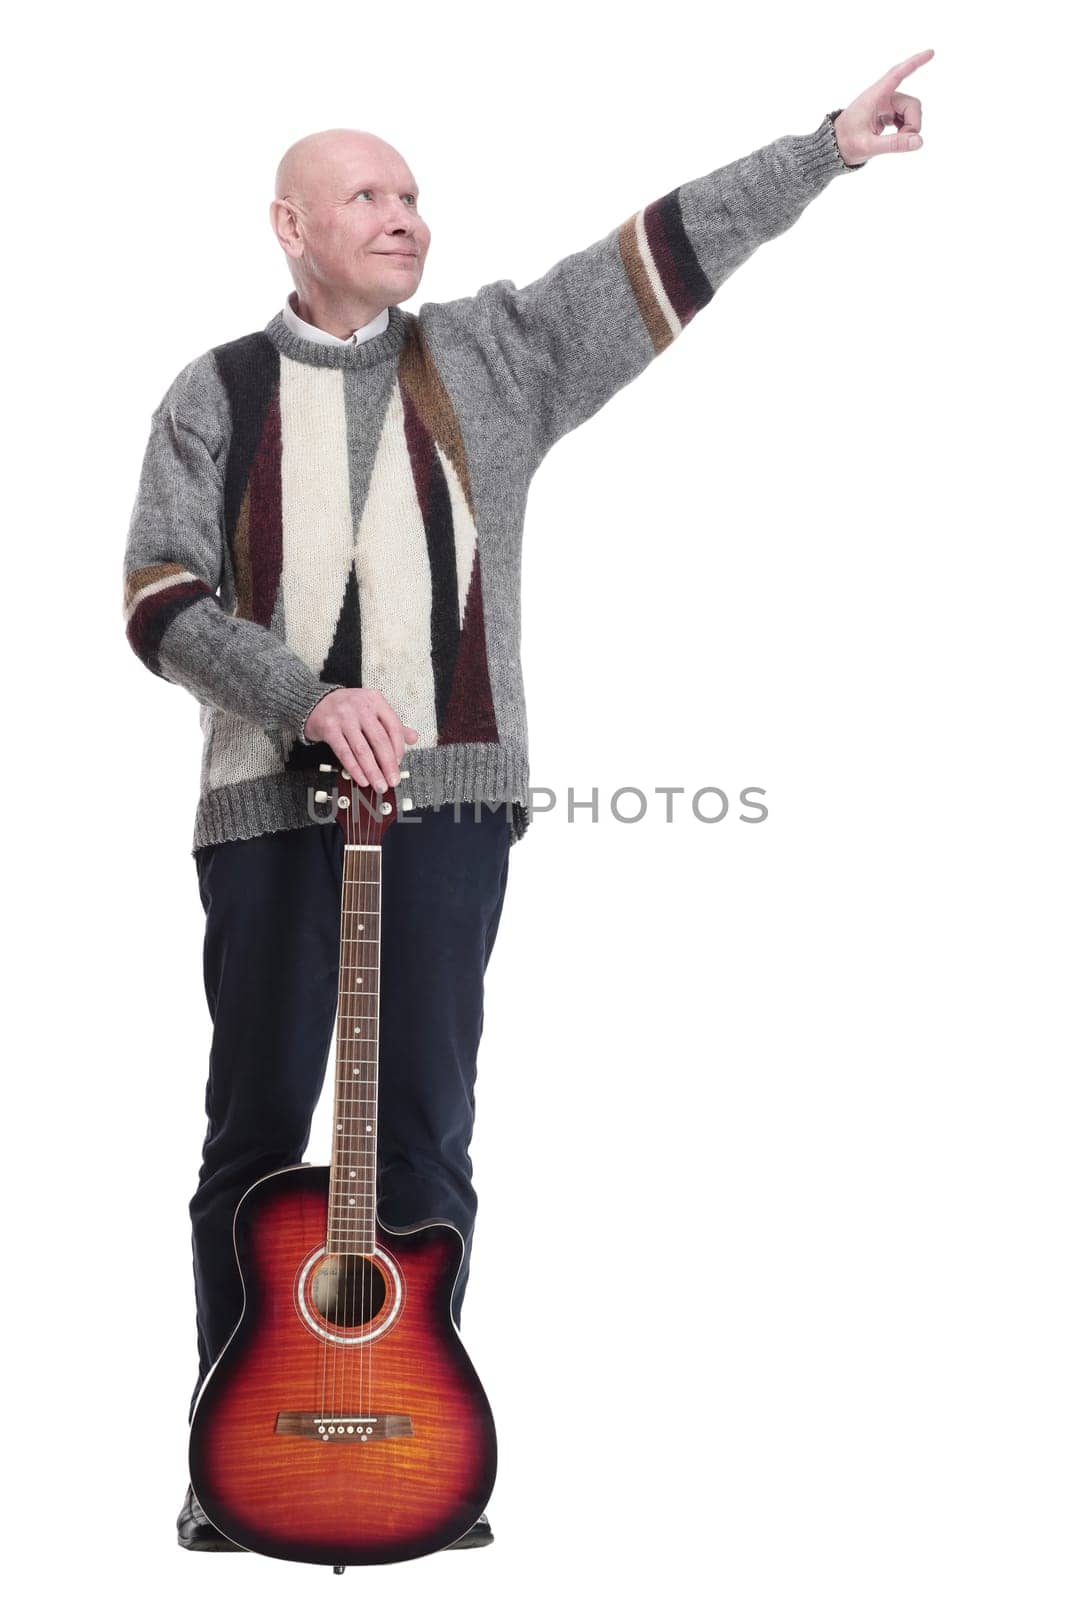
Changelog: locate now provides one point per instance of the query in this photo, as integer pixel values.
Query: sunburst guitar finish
(414, 1462)
(344, 1422)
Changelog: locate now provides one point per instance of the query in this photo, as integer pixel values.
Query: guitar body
(344, 1421)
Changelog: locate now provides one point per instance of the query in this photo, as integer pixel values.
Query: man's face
(354, 222)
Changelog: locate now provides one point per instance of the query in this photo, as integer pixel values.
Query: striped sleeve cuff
(152, 597)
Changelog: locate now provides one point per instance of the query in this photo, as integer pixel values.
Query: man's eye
(408, 196)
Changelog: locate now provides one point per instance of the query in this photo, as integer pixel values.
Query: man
(325, 550)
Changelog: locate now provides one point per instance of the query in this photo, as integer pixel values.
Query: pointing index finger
(896, 74)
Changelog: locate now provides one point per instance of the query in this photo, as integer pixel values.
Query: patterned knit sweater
(318, 515)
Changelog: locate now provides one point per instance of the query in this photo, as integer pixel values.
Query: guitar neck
(353, 1167)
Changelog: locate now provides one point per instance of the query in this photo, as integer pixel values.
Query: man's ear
(286, 226)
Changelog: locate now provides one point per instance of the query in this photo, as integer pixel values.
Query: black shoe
(481, 1533)
(195, 1532)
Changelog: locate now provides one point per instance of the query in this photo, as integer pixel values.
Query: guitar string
(340, 1184)
(368, 1278)
(342, 1258)
(370, 1192)
(361, 1191)
(364, 1227)
(326, 1250)
(343, 1244)
(359, 924)
(330, 1354)
(376, 1055)
(361, 1174)
(352, 892)
(372, 898)
(376, 1076)
(339, 1298)
(353, 910)
(357, 1261)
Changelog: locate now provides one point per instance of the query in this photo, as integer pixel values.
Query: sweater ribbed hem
(440, 775)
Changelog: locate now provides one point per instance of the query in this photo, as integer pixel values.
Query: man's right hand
(364, 733)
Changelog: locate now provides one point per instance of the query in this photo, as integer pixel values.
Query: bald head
(318, 165)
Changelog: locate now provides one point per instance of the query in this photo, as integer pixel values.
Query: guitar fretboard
(353, 1177)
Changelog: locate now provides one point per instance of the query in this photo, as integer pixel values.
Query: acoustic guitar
(343, 1422)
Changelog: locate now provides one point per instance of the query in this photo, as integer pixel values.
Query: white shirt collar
(308, 330)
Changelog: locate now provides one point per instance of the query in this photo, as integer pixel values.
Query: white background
(767, 1285)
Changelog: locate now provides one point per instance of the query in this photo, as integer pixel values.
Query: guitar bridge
(344, 1429)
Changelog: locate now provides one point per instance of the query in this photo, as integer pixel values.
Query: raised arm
(567, 342)
(174, 565)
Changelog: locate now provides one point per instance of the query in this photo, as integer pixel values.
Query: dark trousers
(270, 971)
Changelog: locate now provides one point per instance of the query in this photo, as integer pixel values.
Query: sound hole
(348, 1290)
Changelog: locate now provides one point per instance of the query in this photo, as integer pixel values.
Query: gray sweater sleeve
(175, 564)
(563, 345)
